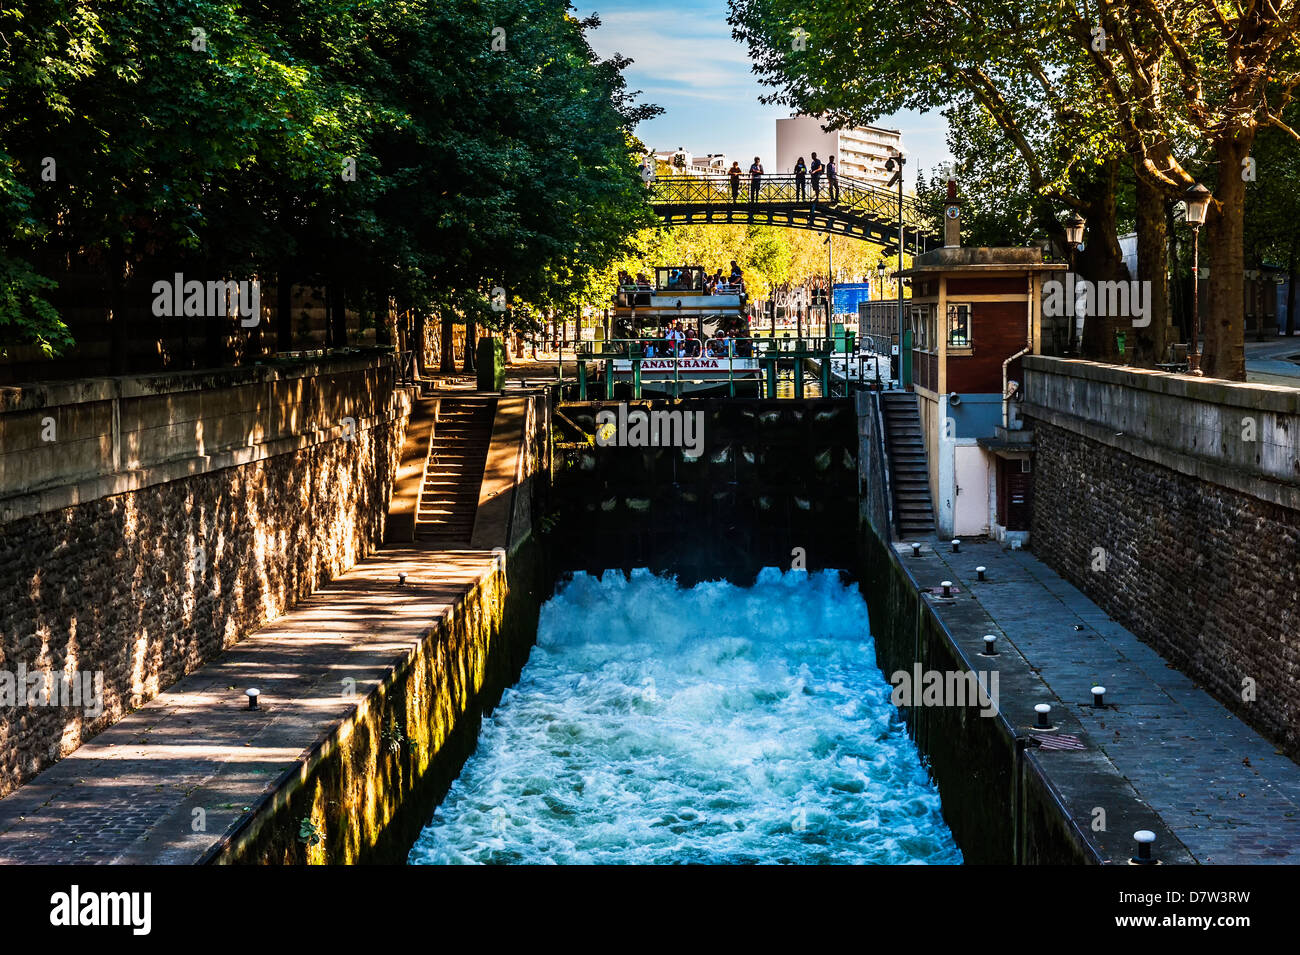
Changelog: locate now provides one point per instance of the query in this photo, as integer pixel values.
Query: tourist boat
(639, 344)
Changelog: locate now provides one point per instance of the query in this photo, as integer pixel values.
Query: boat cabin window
(684, 278)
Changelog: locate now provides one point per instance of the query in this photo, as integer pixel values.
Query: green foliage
(217, 134)
(309, 833)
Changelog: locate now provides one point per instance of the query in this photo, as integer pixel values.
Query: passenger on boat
(692, 345)
(717, 345)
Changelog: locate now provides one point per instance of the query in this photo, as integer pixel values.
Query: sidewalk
(1226, 792)
(1267, 364)
(133, 793)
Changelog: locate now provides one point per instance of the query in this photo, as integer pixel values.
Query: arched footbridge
(862, 211)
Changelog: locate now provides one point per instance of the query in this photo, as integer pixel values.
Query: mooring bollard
(401, 579)
(1098, 696)
(990, 645)
(956, 546)
(1042, 709)
(979, 571)
(1144, 839)
(252, 698)
(916, 550)
(947, 588)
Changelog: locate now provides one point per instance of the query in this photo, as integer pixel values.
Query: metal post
(1193, 357)
(731, 367)
(582, 380)
(798, 368)
(901, 162)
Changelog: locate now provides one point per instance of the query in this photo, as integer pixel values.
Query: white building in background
(860, 152)
(686, 163)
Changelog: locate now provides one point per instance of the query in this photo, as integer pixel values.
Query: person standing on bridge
(832, 181)
(735, 173)
(816, 170)
(755, 179)
(800, 174)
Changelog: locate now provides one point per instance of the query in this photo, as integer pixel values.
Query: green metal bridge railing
(862, 209)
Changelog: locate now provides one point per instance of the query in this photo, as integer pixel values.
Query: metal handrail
(586, 348)
(782, 190)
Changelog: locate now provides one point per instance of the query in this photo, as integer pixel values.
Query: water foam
(716, 724)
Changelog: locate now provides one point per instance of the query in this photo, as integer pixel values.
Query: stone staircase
(908, 475)
(453, 473)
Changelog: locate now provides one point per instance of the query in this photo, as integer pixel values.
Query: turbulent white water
(718, 724)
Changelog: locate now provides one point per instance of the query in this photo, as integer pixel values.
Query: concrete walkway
(133, 793)
(1267, 362)
(1226, 793)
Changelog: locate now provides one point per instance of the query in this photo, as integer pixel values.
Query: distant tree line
(415, 155)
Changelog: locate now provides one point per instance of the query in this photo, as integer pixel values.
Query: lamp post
(1198, 200)
(895, 165)
(830, 283)
(1074, 240)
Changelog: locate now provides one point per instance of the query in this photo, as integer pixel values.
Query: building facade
(859, 152)
(973, 314)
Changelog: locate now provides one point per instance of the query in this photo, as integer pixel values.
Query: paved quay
(130, 794)
(1225, 792)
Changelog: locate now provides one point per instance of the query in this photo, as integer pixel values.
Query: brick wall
(141, 574)
(1144, 499)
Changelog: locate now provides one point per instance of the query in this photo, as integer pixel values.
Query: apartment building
(860, 152)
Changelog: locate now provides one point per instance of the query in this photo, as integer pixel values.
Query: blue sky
(687, 62)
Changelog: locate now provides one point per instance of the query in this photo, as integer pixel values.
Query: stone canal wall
(874, 509)
(363, 793)
(1174, 503)
(371, 783)
(148, 522)
(998, 798)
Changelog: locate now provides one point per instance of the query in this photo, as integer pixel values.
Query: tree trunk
(447, 359)
(1224, 331)
(117, 306)
(1152, 265)
(470, 333)
(1290, 286)
(419, 320)
(383, 319)
(1102, 261)
(284, 311)
(338, 316)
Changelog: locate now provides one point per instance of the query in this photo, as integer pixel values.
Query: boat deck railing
(747, 359)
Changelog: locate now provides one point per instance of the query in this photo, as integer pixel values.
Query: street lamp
(1074, 230)
(895, 165)
(881, 272)
(1074, 242)
(1198, 200)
